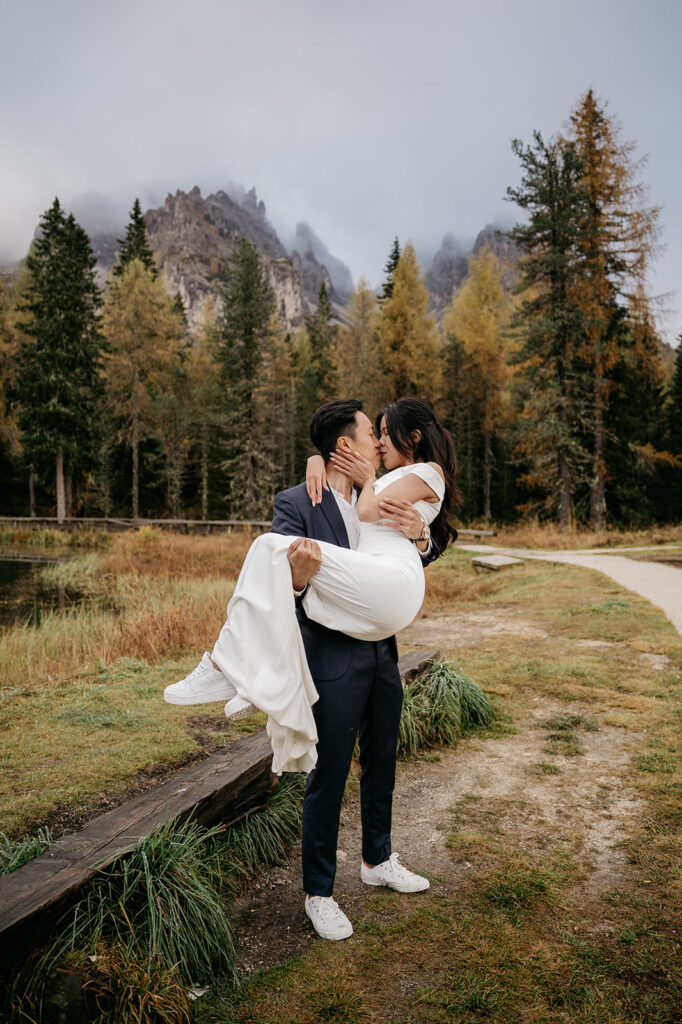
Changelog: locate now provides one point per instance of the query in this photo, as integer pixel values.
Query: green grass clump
(439, 707)
(130, 992)
(262, 837)
(15, 852)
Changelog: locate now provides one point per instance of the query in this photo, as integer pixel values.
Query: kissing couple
(310, 631)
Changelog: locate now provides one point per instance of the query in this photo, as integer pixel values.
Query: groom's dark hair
(331, 421)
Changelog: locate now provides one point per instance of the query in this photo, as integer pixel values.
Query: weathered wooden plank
(493, 563)
(221, 788)
(412, 665)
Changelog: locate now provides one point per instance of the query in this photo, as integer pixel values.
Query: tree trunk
(470, 463)
(597, 491)
(61, 503)
(564, 491)
(204, 470)
(135, 443)
(487, 476)
(68, 493)
(32, 494)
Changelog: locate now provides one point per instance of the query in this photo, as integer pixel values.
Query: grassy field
(554, 845)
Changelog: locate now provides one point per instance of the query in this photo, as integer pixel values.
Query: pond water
(24, 597)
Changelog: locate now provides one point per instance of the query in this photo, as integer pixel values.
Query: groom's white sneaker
(329, 921)
(203, 685)
(393, 874)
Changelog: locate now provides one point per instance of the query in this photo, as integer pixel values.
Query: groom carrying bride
(359, 686)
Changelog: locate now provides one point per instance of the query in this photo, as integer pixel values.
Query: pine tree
(322, 336)
(410, 343)
(205, 398)
(244, 332)
(391, 264)
(674, 438)
(58, 381)
(550, 321)
(478, 317)
(316, 371)
(674, 408)
(635, 452)
(617, 244)
(134, 245)
(144, 336)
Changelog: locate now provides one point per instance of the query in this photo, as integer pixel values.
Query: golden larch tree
(144, 335)
(409, 339)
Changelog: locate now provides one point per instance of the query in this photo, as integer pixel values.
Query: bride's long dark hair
(416, 433)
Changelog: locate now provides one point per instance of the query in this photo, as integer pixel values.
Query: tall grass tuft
(439, 707)
(15, 852)
(129, 992)
(262, 837)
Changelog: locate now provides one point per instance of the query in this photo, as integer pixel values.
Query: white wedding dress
(369, 593)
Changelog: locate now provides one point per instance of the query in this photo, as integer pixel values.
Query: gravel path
(660, 584)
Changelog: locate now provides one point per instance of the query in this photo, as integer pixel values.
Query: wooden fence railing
(179, 525)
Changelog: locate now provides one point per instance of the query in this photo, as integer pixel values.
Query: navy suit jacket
(328, 651)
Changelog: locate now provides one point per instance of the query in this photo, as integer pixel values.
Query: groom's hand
(305, 558)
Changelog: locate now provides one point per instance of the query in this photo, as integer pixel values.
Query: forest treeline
(548, 372)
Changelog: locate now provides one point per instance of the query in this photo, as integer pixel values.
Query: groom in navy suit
(359, 686)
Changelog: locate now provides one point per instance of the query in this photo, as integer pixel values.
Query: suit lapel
(331, 513)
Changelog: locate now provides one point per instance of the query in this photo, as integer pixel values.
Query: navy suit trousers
(365, 701)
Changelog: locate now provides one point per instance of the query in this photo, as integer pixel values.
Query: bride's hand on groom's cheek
(356, 466)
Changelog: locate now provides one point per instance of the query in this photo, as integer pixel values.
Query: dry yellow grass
(549, 535)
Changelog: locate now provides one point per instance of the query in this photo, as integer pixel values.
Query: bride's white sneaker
(204, 685)
(237, 708)
(329, 921)
(393, 874)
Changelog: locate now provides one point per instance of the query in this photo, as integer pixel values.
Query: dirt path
(660, 584)
(496, 784)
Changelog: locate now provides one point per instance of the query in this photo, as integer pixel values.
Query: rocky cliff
(193, 237)
(450, 266)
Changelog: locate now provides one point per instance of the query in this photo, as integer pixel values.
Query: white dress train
(369, 593)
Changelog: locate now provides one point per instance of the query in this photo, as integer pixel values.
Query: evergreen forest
(550, 373)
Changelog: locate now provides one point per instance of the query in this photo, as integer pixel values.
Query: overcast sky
(368, 118)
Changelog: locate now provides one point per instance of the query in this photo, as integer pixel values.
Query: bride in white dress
(369, 593)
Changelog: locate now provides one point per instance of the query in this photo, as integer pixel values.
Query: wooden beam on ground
(412, 665)
(476, 533)
(221, 788)
(493, 563)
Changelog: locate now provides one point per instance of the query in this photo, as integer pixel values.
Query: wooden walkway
(221, 788)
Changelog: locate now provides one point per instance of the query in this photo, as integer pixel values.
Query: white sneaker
(393, 874)
(329, 921)
(203, 685)
(238, 708)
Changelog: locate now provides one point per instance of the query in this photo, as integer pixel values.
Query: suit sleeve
(431, 554)
(287, 518)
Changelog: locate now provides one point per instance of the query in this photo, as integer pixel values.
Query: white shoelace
(394, 867)
(200, 670)
(326, 906)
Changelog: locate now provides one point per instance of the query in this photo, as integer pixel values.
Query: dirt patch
(470, 627)
(492, 785)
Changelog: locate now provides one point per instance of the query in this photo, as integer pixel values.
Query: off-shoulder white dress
(369, 593)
